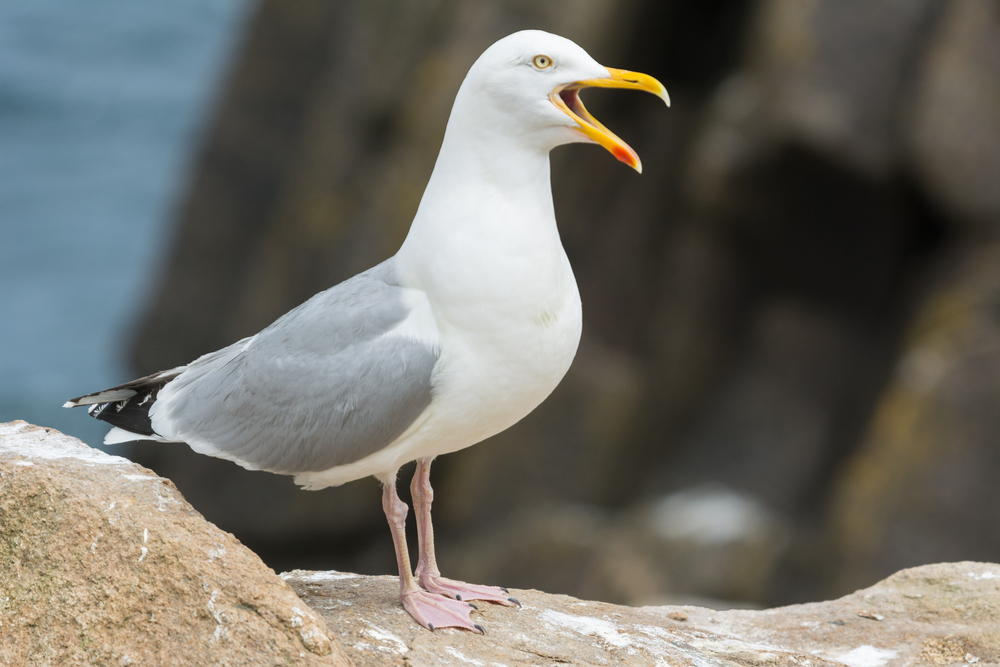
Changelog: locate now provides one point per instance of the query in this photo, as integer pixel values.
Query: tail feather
(127, 405)
(105, 396)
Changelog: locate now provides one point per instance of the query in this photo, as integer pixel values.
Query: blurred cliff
(790, 373)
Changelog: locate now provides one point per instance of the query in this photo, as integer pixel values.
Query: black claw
(479, 627)
(430, 626)
(458, 597)
(473, 606)
(514, 601)
(504, 589)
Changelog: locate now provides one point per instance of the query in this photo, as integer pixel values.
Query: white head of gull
(455, 338)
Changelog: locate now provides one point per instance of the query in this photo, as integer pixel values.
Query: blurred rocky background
(789, 381)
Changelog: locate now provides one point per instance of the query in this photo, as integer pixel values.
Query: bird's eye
(542, 62)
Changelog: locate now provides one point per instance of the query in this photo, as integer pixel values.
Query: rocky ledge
(104, 563)
(932, 615)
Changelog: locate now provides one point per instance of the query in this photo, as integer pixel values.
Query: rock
(936, 615)
(828, 75)
(804, 169)
(768, 430)
(565, 548)
(922, 487)
(798, 162)
(954, 128)
(712, 542)
(104, 563)
(707, 543)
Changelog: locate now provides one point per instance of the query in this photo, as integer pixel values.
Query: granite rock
(104, 563)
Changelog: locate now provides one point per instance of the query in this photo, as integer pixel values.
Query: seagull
(459, 335)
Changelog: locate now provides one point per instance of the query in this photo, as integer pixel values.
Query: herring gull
(455, 338)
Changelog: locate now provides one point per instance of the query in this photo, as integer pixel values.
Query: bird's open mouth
(567, 99)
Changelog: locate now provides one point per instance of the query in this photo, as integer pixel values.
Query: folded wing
(336, 379)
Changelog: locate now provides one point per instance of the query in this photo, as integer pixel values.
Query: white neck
(488, 194)
(478, 149)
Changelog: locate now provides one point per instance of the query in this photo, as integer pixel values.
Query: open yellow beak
(567, 98)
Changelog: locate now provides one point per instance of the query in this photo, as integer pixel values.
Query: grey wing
(321, 387)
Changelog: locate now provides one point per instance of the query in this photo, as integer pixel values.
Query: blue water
(102, 105)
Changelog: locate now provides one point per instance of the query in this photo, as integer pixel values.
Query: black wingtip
(127, 405)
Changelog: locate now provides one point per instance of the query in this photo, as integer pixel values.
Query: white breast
(506, 301)
(490, 377)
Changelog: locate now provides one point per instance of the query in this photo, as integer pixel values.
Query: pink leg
(427, 570)
(428, 609)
